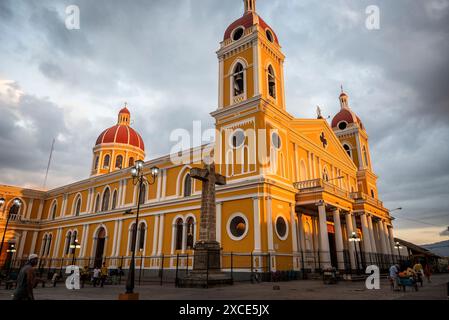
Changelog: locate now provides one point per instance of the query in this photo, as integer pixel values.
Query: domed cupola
(242, 26)
(117, 147)
(345, 118)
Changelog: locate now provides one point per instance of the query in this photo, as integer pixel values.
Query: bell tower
(251, 62)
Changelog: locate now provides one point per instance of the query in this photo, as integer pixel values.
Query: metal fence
(168, 269)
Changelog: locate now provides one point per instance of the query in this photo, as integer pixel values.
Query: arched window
(47, 252)
(271, 82)
(132, 231)
(97, 203)
(14, 210)
(97, 159)
(178, 234)
(238, 80)
(106, 161)
(365, 155)
(347, 149)
(78, 206)
(53, 211)
(131, 162)
(68, 240)
(105, 202)
(141, 236)
(114, 200)
(119, 161)
(190, 233)
(188, 186)
(143, 194)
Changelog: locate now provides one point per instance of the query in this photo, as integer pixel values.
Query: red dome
(121, 134)
(248, 20)
(125, 110)
(345, 115)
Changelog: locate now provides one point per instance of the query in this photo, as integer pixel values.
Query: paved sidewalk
(294, 290)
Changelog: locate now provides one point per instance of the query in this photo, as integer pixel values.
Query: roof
(416, 248)
(248, 20)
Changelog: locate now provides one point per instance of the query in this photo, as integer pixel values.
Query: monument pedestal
(206, 268)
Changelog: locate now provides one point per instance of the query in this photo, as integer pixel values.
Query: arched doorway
(99, 250)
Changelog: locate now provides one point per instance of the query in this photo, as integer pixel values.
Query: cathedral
(300, 194)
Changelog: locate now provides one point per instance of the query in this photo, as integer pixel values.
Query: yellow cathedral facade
(300, 193)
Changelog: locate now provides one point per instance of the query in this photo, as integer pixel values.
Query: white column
(23, 238)
(41, 208)
(85, 240)
(164, 184)
(33, 243)
(257, 235)
(270, 225)
(30, 207)
(366, 234)
(338, 239)
(125, 184)
(161, 234)
(384, 236)
(371, 234)
(119, 238)
(218, 221)
(315, 235)
(324, 238)
(349, 230)
(58, 241)
(155, 235)
(391, 236)
(380, 229)
(293, 227)
(114, 240)
(302, 237)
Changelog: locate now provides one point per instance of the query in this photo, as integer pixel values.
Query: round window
(237, 227)
(276, 140)
(237, 34)
(281, 227)
(342, 125)
(238, 139)
(269, 35)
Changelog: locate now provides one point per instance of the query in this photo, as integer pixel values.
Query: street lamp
(16, 202)
(138, 179)
(355, 239)
(75, 245)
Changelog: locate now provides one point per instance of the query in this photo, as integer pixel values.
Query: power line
(419, 221)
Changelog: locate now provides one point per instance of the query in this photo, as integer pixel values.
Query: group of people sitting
(415, 273)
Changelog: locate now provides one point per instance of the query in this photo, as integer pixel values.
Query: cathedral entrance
(101, 239)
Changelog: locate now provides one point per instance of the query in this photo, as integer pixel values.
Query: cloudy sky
(159, 56)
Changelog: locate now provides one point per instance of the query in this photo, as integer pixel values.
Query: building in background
(298, 211)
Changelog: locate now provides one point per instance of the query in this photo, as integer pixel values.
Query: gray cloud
(159, 56)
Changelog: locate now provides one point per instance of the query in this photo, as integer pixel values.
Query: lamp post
(16, 202)
(138, 179)
(75, 245)
(355, 239)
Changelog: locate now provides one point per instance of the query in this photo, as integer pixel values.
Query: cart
(407, 282)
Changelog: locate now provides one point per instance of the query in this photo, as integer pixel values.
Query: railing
(360, 196)
(245, 33)
(321, 185)
(17, 218)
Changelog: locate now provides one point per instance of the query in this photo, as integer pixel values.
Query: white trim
(280, 215)
(256, 68)
(228, 226)
(244, 96)
(257, 225)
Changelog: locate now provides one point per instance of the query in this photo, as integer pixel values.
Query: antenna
(49, 161)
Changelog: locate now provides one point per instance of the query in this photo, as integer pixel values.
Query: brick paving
(294, 290)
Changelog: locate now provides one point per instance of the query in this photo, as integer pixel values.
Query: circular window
(237, 33)
(269, 35)
(281, 227)
(237, 139)
(342, 125)
(276, 140)
(237, 226)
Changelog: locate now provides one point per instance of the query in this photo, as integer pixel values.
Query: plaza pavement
(294, 290)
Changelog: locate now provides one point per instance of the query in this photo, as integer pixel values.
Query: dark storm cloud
(159, 56)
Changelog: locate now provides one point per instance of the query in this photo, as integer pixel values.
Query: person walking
(104, 274)
(394, 274)
(96, 276)
(26, 280)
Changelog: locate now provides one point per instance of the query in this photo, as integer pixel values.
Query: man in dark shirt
(26, 279)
